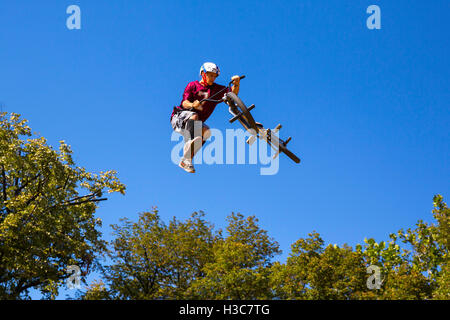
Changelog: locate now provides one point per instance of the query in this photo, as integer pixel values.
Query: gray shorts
(180, 118)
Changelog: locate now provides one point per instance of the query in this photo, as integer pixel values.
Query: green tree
(430, 245)
(152, 260)
(186, 260)
(189, 260)
(242, 263)
(413, 265)
(313, 272)
(47, 207)
(419, 268)
(400, 279)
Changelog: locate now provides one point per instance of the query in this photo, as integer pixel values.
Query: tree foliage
(241, 263)
(47, 207)
(47, 223)
(189, 260)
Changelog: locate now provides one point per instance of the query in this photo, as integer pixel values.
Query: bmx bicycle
(241, 113)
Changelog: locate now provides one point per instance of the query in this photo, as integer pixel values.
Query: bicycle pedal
(251, 140)
(277, 128)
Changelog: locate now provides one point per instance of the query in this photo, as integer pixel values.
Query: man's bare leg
(196, 146)
(192, 146)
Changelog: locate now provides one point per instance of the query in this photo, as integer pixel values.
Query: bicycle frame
(223, 99)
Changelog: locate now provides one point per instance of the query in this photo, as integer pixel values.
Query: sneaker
(186, 165)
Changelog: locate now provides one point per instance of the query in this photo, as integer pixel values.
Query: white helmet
(209, 67)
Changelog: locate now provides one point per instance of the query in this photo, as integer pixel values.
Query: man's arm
(188, 105)
(236, 82)
(189, 95)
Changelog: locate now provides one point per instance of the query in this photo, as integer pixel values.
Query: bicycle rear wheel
(277, 142)
(286, 151)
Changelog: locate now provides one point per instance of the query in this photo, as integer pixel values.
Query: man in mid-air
(190, 110)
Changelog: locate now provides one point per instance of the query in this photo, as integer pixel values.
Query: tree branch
(23, 186)
(4, 188)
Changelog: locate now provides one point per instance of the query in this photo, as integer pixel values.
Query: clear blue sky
(368, 110)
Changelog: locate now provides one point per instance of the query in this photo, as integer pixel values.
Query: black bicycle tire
(283, 149)
(238, 102)
(289, 153)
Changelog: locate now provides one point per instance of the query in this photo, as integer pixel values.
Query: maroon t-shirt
(196, 91)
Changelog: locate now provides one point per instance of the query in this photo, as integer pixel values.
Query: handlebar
(229, 84)
(240, 78)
